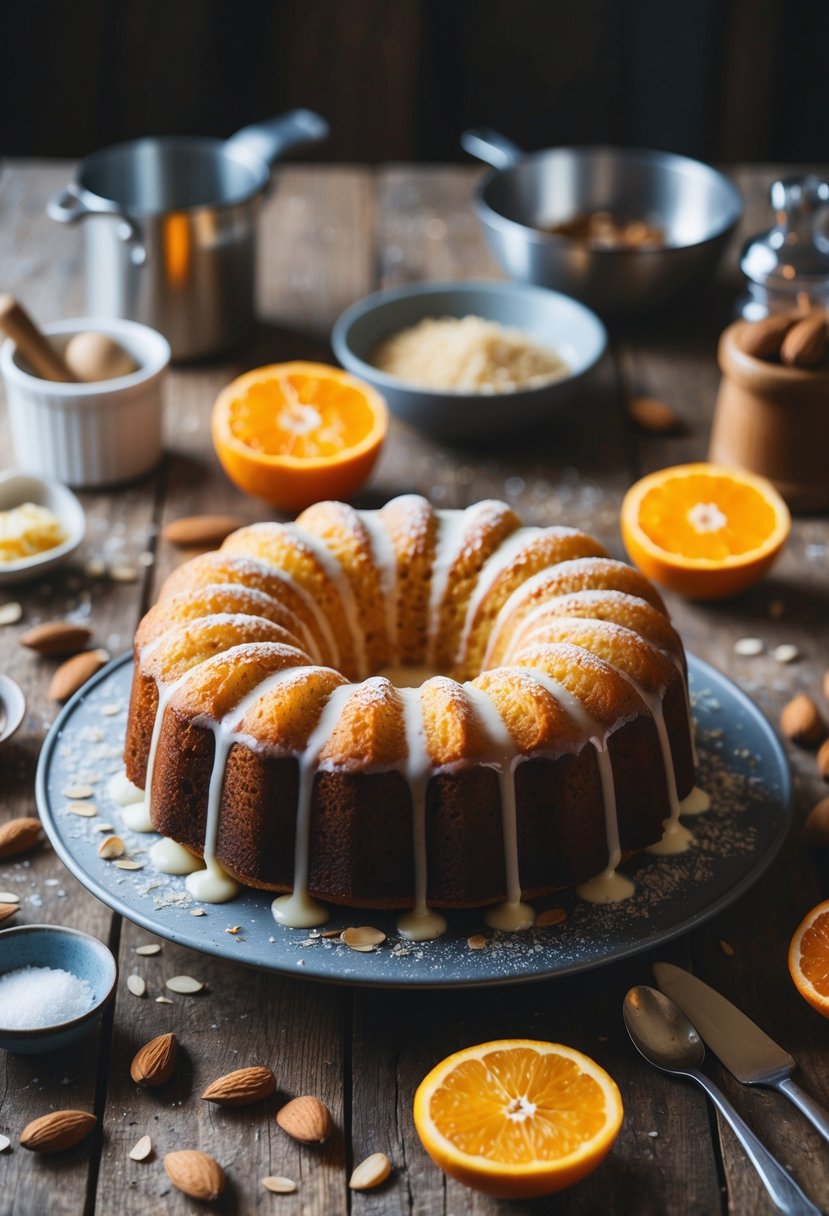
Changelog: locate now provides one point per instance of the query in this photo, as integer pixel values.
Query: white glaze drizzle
(330, 564)
(697, 802)
(421, 923)
(122, 791)
(509, 549)
(169, 857)
(451, 534)
(385, 559)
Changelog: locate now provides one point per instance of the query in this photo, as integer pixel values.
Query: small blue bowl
(546, 317)
(68, 949)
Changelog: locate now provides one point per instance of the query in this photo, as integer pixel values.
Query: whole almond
(823, 760)
(805, 343)
(242, 1087)
(74, 673)
(155, 1062)
(202, 531)
(56, 637)
(307, 1119)
(801, 721)
(18, 835)
(653, 416)
(763, 339)
(816, 827)
(7, 911)
(196, 1174)
(59, 1130)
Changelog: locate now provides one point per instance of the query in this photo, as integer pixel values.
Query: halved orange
(809, 958)
(518, 1118)
(295, 433)
(703, 530)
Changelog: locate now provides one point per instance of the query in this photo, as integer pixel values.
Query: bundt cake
(410, 708)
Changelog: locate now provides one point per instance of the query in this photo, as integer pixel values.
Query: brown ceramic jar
(773, 420)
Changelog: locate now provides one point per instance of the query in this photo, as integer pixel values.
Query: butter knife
(744, 1049)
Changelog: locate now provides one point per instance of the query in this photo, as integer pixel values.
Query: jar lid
(795, 251)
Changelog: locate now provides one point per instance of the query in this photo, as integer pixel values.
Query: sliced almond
(801, 721)
(155, 1062)
(748, 647)
(184, 984)
(7, 911)
(5, 1143)
(364, 937)
(136, 985)
(59, 1130)
(163, 1000)
(370, 1173)
(74, 673)
(279, 1185)
(148, 950)
(128, 864)
(76, 792)
(727, 948)
(9, 897)
(477, 942)
(10, 613)
(653, 416)
(785, 653)
(141, 1150)
(104, 827)
(242, 1087)
(87, 810)
(307, 1119)
(200, 531)
(56, 637)
(18, 836)
(197, 912)
(550, 916)
(196, 1174)
(123, 573)
(111, 848)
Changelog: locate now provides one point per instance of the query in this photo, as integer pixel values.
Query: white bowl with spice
(512, 356)
(41, 524)
(89, 432)
(55, 983)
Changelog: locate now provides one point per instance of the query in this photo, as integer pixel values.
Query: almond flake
(126, 864)
(4, 1143)
(151, 948)
(787, 653)
(363, 938)
(104, 827)
(110, 711)
(163, 1000)
(552, 916)
(726, 948)
(95, 568)
(111, 848)
(136, 985)
(9, 897)
(141, 1150)
(370, 1173)
(477, 942)
(233, 929)
(124, 573)
(748, 647)
(78, 791)
(327, 933)
(197, 912)
(87, 809)
(184, 984)
(279, 1185)
(10, 613)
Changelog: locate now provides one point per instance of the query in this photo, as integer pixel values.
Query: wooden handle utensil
(32, 343)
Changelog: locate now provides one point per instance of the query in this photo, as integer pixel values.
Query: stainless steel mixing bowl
(696, 207)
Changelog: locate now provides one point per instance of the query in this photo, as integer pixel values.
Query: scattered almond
(87, 810)
(279, 1185)
(801, 721)
(142, 1148)
(477, 942)
(370, 1173)
(7, 911)
(653, 416)
(805, 343)
(202, 531)
(18, 836)
(136, 985)
(56, 637)
(551, 916)
(111, 848)
(74, 673)
(748, 647)
(242, 1087)
(9, 897)
(763, 339)
(233, 929)
(5, 1143)
(163, 1000)
(148, 950)
(126, 863)
(363, 938)
(196, 1174)
(197, 912)
(59, 1130)
(307, 1119)
(123, 573)
(78, 791)
(726, 948)
(816, 827)
(10, 613)
(184, 984)
(785, 653)
(823, 760)
(155, 1062)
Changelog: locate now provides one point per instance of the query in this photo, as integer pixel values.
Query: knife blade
(746, 1051)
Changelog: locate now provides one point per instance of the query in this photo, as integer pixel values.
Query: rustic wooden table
(329, 236)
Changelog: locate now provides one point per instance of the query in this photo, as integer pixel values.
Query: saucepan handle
(492, 147)
(67, 207)
(271, 139)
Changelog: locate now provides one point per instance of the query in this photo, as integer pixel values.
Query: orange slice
(703, 530)
(809, 958)
(295, 433)
(518, 1118)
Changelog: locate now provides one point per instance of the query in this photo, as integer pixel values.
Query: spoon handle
(785, 1194)
(811, 1109)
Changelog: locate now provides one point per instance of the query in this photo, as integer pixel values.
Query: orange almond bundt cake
(410, 708)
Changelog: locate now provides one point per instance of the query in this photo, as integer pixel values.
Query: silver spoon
(663, 1035)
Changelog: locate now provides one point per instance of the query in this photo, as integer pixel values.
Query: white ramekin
(90, 434)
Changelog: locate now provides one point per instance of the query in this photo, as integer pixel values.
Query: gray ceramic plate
(740, 757)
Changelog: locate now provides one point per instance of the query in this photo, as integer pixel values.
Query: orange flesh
(814, 954)
(711, 518)
(300, 415)
(485, 1107)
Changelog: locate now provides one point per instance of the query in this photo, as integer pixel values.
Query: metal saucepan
(173, 238)
(694, 205)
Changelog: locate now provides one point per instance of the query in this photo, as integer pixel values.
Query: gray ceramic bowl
(67, 949)
(547, 317)
(696, 207)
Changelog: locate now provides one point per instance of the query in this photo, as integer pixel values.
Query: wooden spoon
(32, 343)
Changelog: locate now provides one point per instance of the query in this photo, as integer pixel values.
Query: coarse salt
(31, 997)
